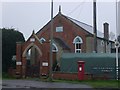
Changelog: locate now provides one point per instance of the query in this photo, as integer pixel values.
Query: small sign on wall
(59, 29)
(32, 39)
(18, 63)
(45, 64)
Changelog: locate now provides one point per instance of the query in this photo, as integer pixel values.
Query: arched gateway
(32, 56)
(30, 59)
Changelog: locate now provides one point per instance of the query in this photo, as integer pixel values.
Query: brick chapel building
(69, 36)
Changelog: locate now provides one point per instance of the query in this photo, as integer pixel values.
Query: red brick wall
(11, 72)
(19, 57)
(67, 76)
(70, 76)
(70, 31)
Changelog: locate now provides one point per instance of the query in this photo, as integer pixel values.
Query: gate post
(81, 70)
(23, 67)
(18, 59)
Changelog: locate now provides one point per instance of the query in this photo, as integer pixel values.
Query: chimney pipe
(106, 35)
(95, 26)
(106, 31)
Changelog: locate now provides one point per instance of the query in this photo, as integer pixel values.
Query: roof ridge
(100, 34)
(85, 26)
(79, 21)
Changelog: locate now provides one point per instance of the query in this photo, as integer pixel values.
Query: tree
(9, 39)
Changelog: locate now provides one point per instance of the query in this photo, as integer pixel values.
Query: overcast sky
(29, 16)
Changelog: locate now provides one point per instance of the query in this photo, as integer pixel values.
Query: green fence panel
(96, 64)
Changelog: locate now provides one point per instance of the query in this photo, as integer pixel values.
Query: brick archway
(33, 69)
(28, 47)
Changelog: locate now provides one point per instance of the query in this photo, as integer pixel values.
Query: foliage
(9, 39)
(6, 76)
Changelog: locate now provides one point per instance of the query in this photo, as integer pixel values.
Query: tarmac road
(33, 85)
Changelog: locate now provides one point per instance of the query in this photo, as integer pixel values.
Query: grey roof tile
(88, 28)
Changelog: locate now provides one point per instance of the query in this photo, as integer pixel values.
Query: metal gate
(32, 70)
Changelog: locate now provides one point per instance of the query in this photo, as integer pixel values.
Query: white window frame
(55, 48)
(59, 29)
(77, 49)
(81, 41)
(42, 40)
(102, 43)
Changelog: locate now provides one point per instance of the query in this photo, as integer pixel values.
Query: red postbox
(81, 70)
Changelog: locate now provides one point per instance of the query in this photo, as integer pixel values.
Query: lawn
(103, 83)
(6, 76)
(95, 83)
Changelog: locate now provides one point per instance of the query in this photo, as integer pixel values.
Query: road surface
(39, 84)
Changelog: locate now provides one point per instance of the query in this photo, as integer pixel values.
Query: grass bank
(103, 83)
(6, 76)
(95, 83)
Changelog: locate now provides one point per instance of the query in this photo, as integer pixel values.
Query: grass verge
(6, 76)
(95, 83)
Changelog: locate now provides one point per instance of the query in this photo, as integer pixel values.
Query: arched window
(54, 48)
(77, 41)
(42, 40)
(102, 43)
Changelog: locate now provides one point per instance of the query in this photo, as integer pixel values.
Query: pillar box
(81, 70)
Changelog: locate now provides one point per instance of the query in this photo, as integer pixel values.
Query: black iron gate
(32, 70)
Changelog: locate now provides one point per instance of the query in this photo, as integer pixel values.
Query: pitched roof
(85, 26)
(62, 43)
(88, 28)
